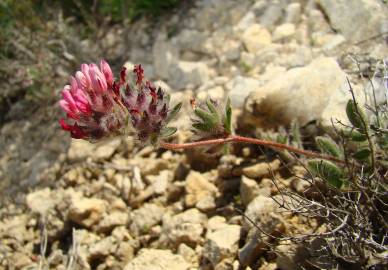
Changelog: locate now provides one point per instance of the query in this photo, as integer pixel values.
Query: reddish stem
(240, 139)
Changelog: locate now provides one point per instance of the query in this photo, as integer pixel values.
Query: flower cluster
(99, 107)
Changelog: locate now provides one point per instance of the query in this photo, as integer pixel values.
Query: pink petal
(73, 85)
(107, 71)
(98, 80)
(64, 105)
(66, 94)
(85, 70)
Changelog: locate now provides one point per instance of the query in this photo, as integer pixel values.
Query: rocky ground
(120, 205)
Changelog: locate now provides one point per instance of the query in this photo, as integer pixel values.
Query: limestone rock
(161, 181)
(284, 31)
(256, 37)
(40, 201)
(142, 219)
(261, 169)
(86, 211)
(112, 220)
(165, 55)
(185, 73)
(222, 243)
(240, 88)
(186, 227)
(216, 93)
(80, 149)
(156, 259)
(249, 189)
(191, 40)
(198, 188)
(349, 17)
(293, 12)
(188, 254)
(317, 91)
(263, 212)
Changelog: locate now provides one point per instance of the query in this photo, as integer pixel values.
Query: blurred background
(42, 43)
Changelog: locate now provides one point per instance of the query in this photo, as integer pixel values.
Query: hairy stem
(241, 139)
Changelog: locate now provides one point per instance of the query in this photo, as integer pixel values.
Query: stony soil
(121, 205)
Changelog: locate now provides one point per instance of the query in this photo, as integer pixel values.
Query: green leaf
(212, 108)
(174, 112)
(206, 117)
(167, 132)
(355, 135)
(228, 117)
(362, 154)
(327, 171)
(328, 146)
(356, 116)
(297, 137)
(202, 127)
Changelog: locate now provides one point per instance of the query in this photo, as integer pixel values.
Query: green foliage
(228, 117)
(362, 154)
(328, 146)
(117, 10)
(327, 171)
(167, 132)
(356, 116)
(174, 112)
(296, 136)
(212, 120)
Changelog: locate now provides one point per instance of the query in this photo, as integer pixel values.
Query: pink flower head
(98, 107)
(91, 105)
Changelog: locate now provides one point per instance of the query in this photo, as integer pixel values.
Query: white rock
(356, 19)
(333, 42)
(284, 98)
(186, 227)
(188, 254)
(216, 93)
(41, 201)
(261, 169)
(249, 189)
(293, 12)
(105, 150)
(80, 149)
(271, 12)
(215, 223)
(160, 182)
(231, 50)
(222, 243)
(86, 211)
(263, 212)
(185, 73)
(156, 259)
(165, 56)
(112, 220)
(284, 31)
(191, 40)
(142, 219)
(240, 88)
(256, 37)
(103, 248)
(246, 21)
(198, 188)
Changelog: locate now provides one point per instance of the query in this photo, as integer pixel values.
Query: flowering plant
(98, 106)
